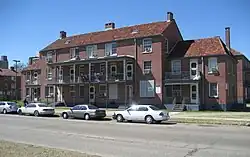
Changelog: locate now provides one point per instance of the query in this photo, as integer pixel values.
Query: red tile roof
(8, 72)
(36, 65)
(143, 30)
(200, 47)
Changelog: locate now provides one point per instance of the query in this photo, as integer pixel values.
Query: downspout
(203, 81)
(135, 67)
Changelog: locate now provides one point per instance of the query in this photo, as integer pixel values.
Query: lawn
(10, 149)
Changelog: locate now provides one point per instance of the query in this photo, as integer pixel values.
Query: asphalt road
(108, 138)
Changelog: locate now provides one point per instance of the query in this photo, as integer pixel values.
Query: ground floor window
(102, 90)
(72, 91)
(49, 91)
(213, 90)
(147, 88)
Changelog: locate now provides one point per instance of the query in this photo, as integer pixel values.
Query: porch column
(61, 94)
(106, 70)
(89, 71)
(74, 78)
(124, 69)
(197, 94)
(54, 91)
(60, 74)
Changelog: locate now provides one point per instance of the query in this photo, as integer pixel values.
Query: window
(27, 91)
(110, 49)
(147, 67)
(213, 90)
(132, 108)
(27, 76)
(42, 105)
(74, 52)
(212, 64)
(81, 91)
(147, 45)
(13, 78)
(72, 91)
(176, 67)
(49, 73)
(82, 107)
(49, 91)
(154, 108)
(76, 108)
(142, 109)
(166, 46)
(147, 88)
(92, 107)
(49, 57)
(91, 51)
(102, 90)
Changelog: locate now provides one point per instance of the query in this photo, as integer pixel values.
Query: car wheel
(20, 112)
(86, 117)
(119, 118)
(4, 111)
(36, 113)
(149, 119)
(65, 116)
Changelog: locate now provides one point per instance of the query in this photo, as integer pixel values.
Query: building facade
(147, 63)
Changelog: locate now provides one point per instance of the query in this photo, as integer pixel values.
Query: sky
(27, 26)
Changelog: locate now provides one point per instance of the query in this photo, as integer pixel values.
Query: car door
(75, 111)
(30, 109)
(82, 110)
(141, 113)
(131, 113)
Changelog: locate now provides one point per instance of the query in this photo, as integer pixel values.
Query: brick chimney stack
(109, 26)
(63, 34)
(227, 37)
(170, 16)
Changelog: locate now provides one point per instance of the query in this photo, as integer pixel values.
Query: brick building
(147, 63)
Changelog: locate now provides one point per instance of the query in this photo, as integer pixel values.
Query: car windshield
(11, 103)
(42, 105)
(91, 107)
(154, 108)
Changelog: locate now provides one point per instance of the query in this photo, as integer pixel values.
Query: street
(109, 138)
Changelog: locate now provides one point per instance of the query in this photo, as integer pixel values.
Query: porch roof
(94, 60)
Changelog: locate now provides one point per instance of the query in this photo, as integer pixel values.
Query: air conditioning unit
(147, 49)
(148, 71)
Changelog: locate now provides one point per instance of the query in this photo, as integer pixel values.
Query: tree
(20, 66)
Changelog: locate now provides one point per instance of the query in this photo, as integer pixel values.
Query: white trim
(72, 52)
(147, 71)
(104, 92)
(109, 49)
(196, 92)
(92, 100)
(172, 67)
(210, 60)
(92, 53)
(190, 67)
(130, 71)
(216, 96)
(115, 69)
(143, 44)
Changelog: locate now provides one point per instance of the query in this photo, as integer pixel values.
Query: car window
(75, 108)
(154, 108)
(92, 107)
(83, 108)
(31, 105)
(1, 104)
(142, 109)
(133, 108)
(42, 105)
(11, 103)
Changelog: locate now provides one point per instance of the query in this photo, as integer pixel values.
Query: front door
(91, 94)
(129, 93)
(194, 93)
(193, 68)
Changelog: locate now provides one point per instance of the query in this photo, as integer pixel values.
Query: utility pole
(16, 61)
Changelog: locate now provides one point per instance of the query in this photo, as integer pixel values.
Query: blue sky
(27, 26)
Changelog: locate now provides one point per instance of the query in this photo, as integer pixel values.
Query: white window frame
(80, 94)
(28, 74)
(49, 56)
(50, 92)
(147, 70)
(210, 64)
(91, 51)
(49, 73)
(74, 52)
(101, 91)
(111, 67)
(111, 49)
(36, 75)
(145, 90)
(214, 96)
(147, 45)
(173, 67)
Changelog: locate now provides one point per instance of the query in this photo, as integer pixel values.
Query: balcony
(116, 77)
(34, 81)
(183, 76)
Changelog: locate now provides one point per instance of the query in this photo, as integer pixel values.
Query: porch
(184, 94)
(93, 71)
(100, 94)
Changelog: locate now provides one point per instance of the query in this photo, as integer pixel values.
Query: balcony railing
(33, 82)
(116, 77)
(98, 77)
(183, 75)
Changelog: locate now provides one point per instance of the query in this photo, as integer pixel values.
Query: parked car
(36, 109)
(146, 113)
(8, 107)
(84, 111)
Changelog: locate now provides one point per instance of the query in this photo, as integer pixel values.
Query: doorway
(92, 94)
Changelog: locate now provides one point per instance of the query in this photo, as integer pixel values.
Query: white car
(147, 113)
(36, 109)
(8, 107)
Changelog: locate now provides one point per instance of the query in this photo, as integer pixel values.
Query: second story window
(49, 73)
(49, 57)
(91, 51)
(110, 49)
(212, 64)
(147, 67)
(74, 52)
(27, 76)
(176, 67)
(147, 45)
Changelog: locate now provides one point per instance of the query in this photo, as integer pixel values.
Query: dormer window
(74, 52)
(49, 57)
(147, 45)
(110, 49)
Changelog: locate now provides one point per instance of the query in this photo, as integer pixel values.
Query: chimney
(170, 16)
(109, 26)
(30, 60)
(63, 34)
(12, 69)
(227, 37)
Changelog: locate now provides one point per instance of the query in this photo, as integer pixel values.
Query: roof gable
(8, 72)
(36, 65)
(143, 30)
